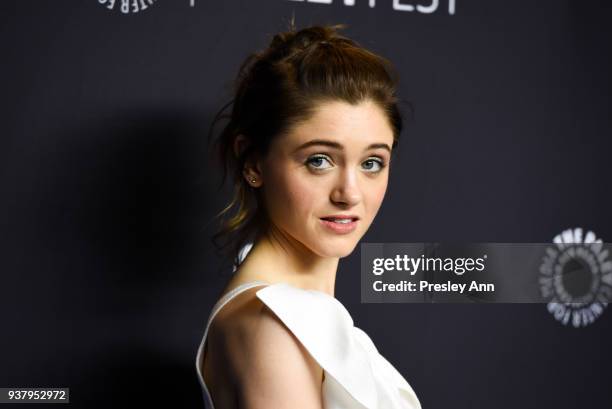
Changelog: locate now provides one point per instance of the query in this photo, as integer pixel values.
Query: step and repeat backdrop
(107, 190)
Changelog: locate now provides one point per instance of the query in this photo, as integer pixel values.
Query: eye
(374, 165)
(316, 161)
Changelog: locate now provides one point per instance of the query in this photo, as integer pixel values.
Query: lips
(333, 223)
(341, 217)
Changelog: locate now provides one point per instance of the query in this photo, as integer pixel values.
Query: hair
(279, 87)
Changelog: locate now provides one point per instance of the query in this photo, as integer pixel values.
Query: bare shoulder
(266, 363)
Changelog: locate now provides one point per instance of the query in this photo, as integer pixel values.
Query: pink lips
(340, 228)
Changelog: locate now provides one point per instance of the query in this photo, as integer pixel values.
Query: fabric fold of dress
(357, 376)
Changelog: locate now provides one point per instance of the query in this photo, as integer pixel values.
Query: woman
(308, 142)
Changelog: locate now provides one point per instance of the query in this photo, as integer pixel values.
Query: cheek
(300, 197)
(376, 196)
(292, 194)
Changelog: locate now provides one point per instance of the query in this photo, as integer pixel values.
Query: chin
(336, 250)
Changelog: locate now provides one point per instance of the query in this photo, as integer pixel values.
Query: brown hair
(280, 86)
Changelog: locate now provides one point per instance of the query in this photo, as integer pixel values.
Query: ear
(240, 144)
(251, 170)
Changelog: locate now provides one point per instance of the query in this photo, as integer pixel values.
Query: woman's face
(334, 164)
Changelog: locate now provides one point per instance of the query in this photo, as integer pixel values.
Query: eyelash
(381, 163)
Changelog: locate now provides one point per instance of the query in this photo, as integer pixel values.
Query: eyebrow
(336, 145)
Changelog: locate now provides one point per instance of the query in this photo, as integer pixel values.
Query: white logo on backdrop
(127, 6)
(136, 6)
(398, 5)
(576, 276)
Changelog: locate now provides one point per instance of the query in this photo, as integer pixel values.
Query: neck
(275, 257)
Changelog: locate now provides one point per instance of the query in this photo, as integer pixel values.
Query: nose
(346, 191)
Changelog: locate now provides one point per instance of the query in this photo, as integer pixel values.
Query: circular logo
(127, 6)
(576, 277)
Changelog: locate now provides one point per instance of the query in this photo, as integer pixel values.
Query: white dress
(356, 375)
